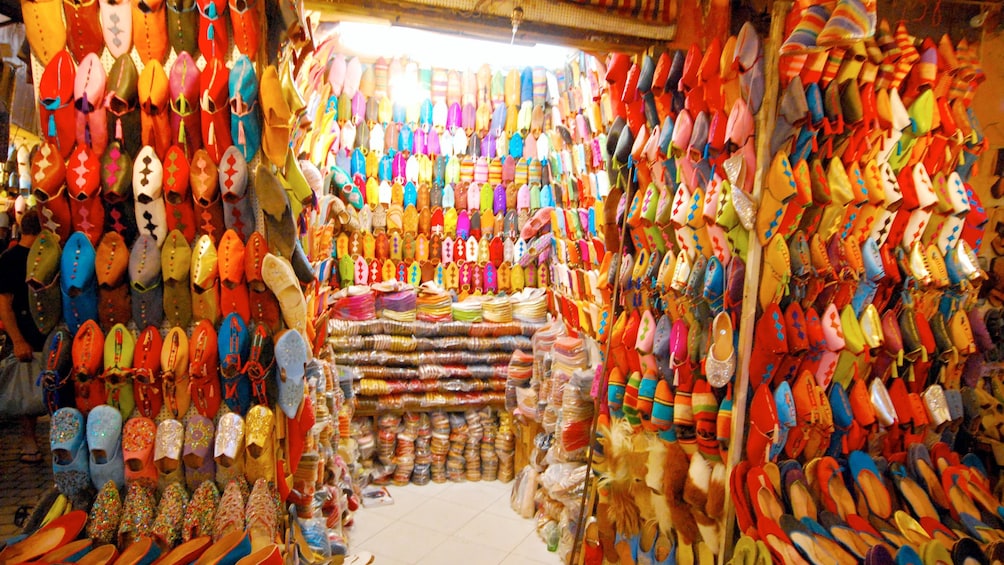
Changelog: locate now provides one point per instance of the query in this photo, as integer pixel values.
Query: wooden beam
(485, 25)
(747, 322)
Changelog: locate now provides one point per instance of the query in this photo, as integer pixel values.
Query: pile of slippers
(438, 370)
(921, 506)
(59, 540)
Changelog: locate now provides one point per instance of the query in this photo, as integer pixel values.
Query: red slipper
(763, 426)
(798, 344)
(738, 486)
(56, 533)
(834, 494)
(770, 347)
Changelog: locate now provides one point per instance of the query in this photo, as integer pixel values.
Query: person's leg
(29, 446)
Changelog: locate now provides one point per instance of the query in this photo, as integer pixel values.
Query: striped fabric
(656, 11)
(522, 172)
(453, 87)
(466, 169)
(834, 58)
(804, 36)
(908, 55)
(539, 85)
(381, 70)
(852, 20)
(533, 171)
(495, 172)
(439, 78)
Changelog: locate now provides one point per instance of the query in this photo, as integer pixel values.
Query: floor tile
(516, 559)
(473, 495)
(502, 506)
(410, 494)
(381, 559)
(441, 515)
(431, 489)
(465, 523)
(366, 524)
(504, 533)
(459, 552)
(535, 548)
(405, 500)
(406, 543)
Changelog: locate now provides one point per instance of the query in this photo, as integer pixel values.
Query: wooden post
(525, 432)
(764, 124)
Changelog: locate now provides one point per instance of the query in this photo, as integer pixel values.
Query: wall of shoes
(872, 351)
(685, 181)
(191, 410)
(861, 390)
(733, 285)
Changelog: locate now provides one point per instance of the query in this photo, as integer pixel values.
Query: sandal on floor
(361, 558)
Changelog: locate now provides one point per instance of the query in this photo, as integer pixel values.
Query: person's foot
(31, 457)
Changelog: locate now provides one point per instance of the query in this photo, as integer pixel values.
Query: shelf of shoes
(865, 376)
(125, 83)
(399, 366)
(150, 204)
(398, 301)
(150, 124)
(437, 446)
(682, 156)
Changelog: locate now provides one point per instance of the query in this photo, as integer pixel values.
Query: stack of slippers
(865, 334)
(922, 506)
(62, 539)
(138, 153)
(147, 374)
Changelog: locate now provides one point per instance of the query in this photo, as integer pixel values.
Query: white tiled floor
(446, 524)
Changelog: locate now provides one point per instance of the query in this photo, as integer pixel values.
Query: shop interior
(504, 282)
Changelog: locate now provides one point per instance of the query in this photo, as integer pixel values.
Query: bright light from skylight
(441, 50)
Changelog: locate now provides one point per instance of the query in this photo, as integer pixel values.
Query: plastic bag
(21, 392)
(523, 491)
(564, 482)
(576, 415)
